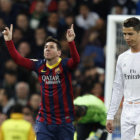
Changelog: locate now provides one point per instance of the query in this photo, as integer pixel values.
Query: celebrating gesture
(70, 34)
(8, 33)
(56, 108)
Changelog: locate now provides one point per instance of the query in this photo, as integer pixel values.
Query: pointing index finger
(71, 26)
(11, 28)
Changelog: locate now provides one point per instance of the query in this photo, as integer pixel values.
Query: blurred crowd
(34, 21)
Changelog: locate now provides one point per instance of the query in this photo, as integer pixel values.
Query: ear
(59, 53)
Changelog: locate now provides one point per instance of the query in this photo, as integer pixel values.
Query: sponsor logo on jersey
(133, 75)
(129, 77)
(49, 79)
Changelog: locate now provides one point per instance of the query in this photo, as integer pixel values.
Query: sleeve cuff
(110, 117)
(72, 43)
(8, 43)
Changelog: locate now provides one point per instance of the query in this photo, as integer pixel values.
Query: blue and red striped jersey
(56, 85)
(56, 91)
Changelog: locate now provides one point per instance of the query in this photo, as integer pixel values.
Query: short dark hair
(17, 108)
(51, 39)
(132, 22)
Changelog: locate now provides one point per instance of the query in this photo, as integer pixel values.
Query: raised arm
(27, 63)
(75, 58)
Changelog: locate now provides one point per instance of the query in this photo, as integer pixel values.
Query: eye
(130, 33)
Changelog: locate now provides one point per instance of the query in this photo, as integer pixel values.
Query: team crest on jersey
(57, 71)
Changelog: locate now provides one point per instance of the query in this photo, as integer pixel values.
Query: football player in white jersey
(127, 83)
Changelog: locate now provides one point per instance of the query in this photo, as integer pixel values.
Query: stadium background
(33, 21)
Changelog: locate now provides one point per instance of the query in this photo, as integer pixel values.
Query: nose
(47, 49)
(126, 37)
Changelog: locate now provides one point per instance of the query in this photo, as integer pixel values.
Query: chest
(131, 65)
(51, 76)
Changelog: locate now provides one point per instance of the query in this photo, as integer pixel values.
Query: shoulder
(6, 123)
(39, 62)
(123, 55)
(64, 63)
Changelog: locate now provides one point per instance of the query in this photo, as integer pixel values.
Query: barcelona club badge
(57, 71)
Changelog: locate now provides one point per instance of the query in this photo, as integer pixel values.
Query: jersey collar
(16, 116)
(54, 65)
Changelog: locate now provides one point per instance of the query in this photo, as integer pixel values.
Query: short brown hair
(51, 39)
(132, 22)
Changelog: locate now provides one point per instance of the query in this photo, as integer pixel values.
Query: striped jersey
(55, 82)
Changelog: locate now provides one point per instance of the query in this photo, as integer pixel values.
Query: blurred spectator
(95, 35)
(38, 45)
(102, 7)
(34, 102)
(73, 5)
(64, 48)
(22, 90)
(24, 49)
(1, 22)
(22, 5)
(90, 115)
(22, 22)
(39, 15)
(91, 77)
(17, 36)
(117, 10)
(22, 129)
(9, 81)
(37, 87)
(8, 12)
(96, 54)
(54, 28)
(63, 9)
(86, 19)
(50, 5)
(5, 102)
(28, 114)
(101, 74)
(10, 65)
(129, 6)
(97, 91)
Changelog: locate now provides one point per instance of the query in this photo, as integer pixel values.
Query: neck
(53, 61)
(135, 49)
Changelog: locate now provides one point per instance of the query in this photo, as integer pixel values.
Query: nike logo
(43, 71)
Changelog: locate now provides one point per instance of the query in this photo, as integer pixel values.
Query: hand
(109, 126)
(8, 33)
(70, 34)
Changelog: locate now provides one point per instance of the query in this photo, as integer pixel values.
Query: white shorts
(130, 118)
(137, 132)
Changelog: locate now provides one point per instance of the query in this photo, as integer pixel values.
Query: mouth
(128, 42)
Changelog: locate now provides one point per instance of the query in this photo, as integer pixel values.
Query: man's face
(131, 36)
(84, 11)
(50, 51)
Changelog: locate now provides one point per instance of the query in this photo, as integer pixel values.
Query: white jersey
(127, 81)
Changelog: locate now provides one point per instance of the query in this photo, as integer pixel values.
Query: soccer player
(127, 82)
(90, 114)
(56, 113)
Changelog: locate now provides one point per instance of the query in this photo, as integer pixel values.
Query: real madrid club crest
(57, 71)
